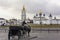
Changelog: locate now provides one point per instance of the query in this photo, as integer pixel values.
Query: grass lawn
(39, 26)
(44, 26)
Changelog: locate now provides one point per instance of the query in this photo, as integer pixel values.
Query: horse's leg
(8, 36)
(28, 34)
(24, 34)
(19, 34)
(18, 37)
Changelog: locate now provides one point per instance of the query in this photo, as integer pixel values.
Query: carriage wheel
(8, 37)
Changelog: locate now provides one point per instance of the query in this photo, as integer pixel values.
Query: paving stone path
(34, 35)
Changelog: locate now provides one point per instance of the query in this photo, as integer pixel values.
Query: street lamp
(50, 17)
(44, 17)
(40, 14)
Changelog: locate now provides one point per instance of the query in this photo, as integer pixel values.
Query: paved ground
(35, 35)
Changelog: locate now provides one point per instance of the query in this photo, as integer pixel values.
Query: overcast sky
(12, 8)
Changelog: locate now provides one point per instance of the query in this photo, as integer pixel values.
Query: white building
(36, 19)
(44, 20)
(2, 21)
(55, 21)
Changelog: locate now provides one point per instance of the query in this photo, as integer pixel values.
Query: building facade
(36, 19)
(44, 20)
(2, 21)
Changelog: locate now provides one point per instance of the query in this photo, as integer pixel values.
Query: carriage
(16, 31)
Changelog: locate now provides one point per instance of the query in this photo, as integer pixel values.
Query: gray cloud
(32, 6)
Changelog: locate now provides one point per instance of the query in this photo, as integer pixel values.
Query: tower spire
(23, 16)
(23, 7)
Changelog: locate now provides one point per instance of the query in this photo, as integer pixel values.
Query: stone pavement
(35, 35)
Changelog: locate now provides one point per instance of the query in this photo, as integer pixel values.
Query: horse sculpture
(27, 29)
(16, 31)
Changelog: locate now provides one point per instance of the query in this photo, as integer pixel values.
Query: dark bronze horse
(27, 29)
(16, 31)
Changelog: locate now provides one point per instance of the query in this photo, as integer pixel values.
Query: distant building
(55, 21)
(2, 21)
(36, 19)
(13, 21)
(19, 22)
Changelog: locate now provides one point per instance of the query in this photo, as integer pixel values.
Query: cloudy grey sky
(12, 8)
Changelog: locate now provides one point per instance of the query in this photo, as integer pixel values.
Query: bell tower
(23, 15)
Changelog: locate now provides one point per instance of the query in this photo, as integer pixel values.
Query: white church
(37, 19)
(41, 19)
